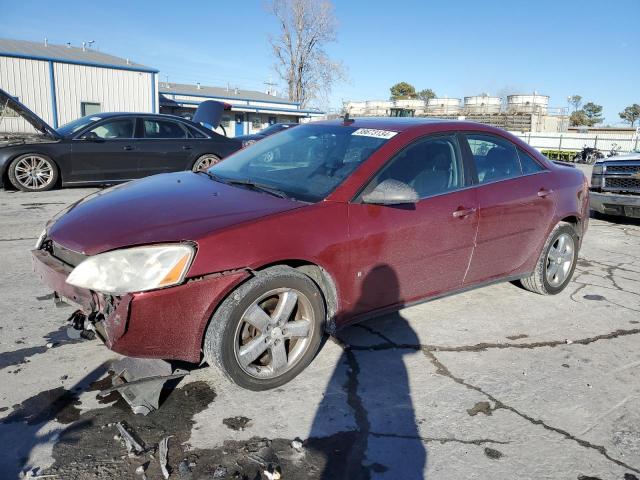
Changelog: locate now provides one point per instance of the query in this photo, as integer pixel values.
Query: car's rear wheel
(557, 262)
(268, 330)
(204, 162)
(33, 172)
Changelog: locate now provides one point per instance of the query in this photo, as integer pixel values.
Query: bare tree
(306, 27)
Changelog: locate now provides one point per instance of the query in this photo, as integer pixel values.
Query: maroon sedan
(248, 264)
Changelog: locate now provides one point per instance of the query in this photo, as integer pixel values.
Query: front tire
(268, 330)
(33, 172)
(557, 262)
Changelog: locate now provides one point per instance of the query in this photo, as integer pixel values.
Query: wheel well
(575, 222)
(323, 280)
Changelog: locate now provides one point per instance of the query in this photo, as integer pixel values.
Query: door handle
(543, 192)
(464, 212)
(186, 147)
(127, 147)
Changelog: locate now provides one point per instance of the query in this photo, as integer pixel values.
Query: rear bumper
(615, 204)
(166, 324)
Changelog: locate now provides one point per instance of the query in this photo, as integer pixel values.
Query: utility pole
(270, 84)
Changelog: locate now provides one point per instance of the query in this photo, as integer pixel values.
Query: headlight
(598, 169)
(246, 143)
(133, 269)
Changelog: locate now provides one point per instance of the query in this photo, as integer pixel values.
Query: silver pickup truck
(615, 185)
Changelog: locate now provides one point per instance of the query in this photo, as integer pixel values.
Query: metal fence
(574, 141)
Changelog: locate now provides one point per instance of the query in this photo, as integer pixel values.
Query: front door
(107, 152)
(404, 253)
(239, 124)
(515, 205)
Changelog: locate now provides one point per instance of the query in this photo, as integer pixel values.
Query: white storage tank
(534, 103)
(482, 104)
(443, 106)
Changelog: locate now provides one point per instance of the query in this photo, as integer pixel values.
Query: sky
(457, 48)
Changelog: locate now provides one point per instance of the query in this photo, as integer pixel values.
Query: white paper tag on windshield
(372, 132)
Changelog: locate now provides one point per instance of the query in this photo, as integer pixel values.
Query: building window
(226, 121)
(272, 120)
(89, 108)
(256, 123)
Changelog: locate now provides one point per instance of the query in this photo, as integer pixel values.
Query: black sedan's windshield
(305, 163)
(77, 125)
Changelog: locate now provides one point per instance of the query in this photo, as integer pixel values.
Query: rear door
(164, 145)
(105, 152)
(516, 205)
(401, 253)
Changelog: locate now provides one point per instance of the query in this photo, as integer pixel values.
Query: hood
(632, 156)
(36, 122)
(209, 113)
(163, 208)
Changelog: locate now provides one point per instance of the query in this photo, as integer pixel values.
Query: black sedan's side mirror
(391, 192)
(91, 137)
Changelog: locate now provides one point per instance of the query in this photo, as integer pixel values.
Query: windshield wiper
(258, 186)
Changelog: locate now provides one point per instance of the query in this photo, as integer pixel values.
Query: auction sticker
(372, 132)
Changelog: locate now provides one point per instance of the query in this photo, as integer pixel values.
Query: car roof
(399, 124)
(134, 114)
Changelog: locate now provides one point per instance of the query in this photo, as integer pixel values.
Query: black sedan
(107, 148)
(270, 130)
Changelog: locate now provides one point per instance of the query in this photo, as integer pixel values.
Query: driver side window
(115, 129)
(431, 166)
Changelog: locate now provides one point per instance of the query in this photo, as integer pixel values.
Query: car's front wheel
(204, 162)
(268, 330)
(33, 172)
(556, 263)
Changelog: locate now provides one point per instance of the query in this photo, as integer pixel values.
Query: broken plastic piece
(133, 444)
(163, 450)
(140, 382)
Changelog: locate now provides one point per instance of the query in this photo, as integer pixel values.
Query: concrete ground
(495, 383)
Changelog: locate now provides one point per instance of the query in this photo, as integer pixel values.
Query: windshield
(275, 128)
(76, 125)
(306, 163)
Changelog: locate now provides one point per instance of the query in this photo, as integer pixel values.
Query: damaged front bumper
(627, 205)
(167, 324)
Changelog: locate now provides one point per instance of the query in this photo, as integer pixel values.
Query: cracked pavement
(494, 383)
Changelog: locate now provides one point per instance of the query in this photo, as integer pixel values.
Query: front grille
(69, 257)
(623, 168)
(622, 183)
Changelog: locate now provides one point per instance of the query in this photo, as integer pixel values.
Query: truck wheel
(557, 262)
(268, 330)
(33, 172)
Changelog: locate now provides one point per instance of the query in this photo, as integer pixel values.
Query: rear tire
(557, 262)
(33, 172)
(268, 330)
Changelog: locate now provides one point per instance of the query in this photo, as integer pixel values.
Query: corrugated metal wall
(114, 90)
(29, 81)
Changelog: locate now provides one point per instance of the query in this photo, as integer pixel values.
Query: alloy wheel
(274, 333)
(205, 162)
(560, 260)
(34, 172)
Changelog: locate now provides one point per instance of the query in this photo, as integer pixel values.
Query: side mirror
(391, 192)
(91, 137)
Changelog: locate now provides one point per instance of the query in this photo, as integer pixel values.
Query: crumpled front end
(167, 323)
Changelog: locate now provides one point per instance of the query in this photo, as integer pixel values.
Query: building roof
(220, 92)
(65, 54)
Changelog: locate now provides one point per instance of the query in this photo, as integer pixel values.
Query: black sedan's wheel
(33, 172)
(268, 330)
(556, 263)
(204, 162)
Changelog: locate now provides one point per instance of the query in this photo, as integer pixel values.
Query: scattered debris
(568, 342)
(480, 407)
(220, 472)
(140, 382)
(296, 444)
(492, 453)
(237, 423)
(141, 469)
(273, 472)
(183, 468)
(163, 450)
(50, 345)
(133, 444)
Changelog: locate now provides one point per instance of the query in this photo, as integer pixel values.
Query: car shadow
(370, 384)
